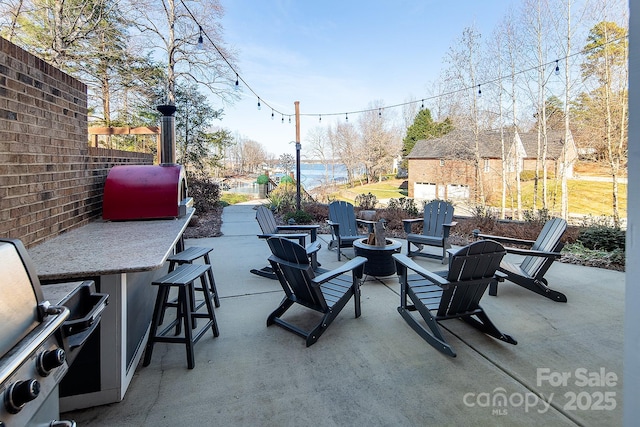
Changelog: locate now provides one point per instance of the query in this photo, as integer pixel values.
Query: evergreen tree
(424, 127)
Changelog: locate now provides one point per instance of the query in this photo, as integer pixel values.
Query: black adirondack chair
(436, 226)
(344, 225)
(270, 228)
(453, 294)
(530, 272)
(326, 293)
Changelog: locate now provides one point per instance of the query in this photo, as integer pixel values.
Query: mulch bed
(209, 224)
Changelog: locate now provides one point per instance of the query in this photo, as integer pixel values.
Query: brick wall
(50, 180)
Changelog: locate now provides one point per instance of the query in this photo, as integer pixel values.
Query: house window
(441, 162)
(486, 165)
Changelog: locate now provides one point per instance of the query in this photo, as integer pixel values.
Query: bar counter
(104, 247)
(123, 258)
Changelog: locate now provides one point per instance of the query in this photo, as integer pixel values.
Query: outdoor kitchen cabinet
(123, 258)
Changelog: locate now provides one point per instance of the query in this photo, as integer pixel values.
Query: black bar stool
(183, 277)
(188, 256)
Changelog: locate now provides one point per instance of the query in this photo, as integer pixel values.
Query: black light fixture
(201, 41)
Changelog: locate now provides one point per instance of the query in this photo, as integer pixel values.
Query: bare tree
(378, 140)
(606, 65)
(464, 59)
(344, 140)
(319, 148)
(176, 28)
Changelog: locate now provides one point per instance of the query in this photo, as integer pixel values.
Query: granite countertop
(104, 247)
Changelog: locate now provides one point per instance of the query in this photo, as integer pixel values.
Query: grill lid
(20, 288)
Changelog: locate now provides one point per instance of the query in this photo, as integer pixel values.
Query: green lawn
(585, 197)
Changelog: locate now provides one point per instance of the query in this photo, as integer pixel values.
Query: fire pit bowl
(379, 260)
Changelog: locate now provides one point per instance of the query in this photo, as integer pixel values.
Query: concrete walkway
(375, 370)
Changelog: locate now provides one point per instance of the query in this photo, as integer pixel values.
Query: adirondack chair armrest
(300, 237)
(313, 247)
(412, 265)
(447, 228)
(408, 223)
(344, 268)
(529, 252)
(297, 227)
(502, 239)
(335, 227)
(312, 228)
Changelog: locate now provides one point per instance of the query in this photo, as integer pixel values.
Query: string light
(379, 112)
(289, 119)
(272, 114)
(200, 40)
(203, 34)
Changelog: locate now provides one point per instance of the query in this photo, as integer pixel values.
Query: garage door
(457, 192)
(424, 191)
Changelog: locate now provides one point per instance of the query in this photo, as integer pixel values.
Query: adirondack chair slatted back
(548, 241)
(343, 213)
(291, 264)
(266, 220)
(436, 213)
(471, 269)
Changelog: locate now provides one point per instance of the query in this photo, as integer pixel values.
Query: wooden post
(298, 147)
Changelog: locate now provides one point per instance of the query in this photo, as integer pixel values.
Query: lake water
(312, 175)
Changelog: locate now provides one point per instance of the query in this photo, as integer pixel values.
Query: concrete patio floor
(375, 370)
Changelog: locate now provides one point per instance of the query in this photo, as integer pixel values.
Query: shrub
(404, 204)
(205, 192)
(539, 217)
(600, 237)
(300, 217)
(366, 201)
(262, 179)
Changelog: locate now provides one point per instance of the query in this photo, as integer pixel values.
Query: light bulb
(320, 118)
(479, 91)
(259, 105)
(557, 68)
(272, 115)
(237, 82)
(346, 117)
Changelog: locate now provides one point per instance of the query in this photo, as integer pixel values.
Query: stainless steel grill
(34, 342)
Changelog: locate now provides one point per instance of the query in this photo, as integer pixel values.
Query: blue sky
(338, 56)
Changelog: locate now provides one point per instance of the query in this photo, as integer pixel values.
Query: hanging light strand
(379, 109)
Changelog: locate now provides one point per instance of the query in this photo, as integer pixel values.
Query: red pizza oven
(145, 192)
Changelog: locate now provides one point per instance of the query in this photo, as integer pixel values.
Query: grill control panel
(31, 389)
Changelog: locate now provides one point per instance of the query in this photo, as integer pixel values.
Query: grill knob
(20, 393)
(49, 360)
